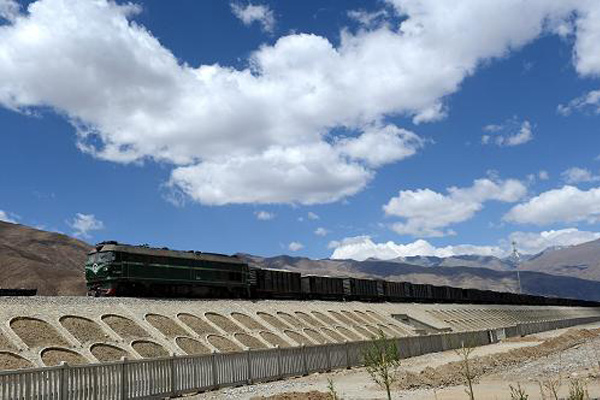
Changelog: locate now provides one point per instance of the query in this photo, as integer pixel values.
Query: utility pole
(517, 260)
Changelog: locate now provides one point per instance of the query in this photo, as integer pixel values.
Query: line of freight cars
(116, 269)
(269, 283)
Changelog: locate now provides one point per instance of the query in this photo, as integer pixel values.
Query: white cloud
(543, 175)
(508, 134)
(9, 9)
(311, 215)
(362, 247)
(295, 246)
(589, 102)
(83, 224)
(320, 231)
(579, 175)
(565, 205)
(369, 19)
(427, 212)
(8, 217)
(264, 215)
(535, 242)
(221, 128)
(378, 146)
(251, 13)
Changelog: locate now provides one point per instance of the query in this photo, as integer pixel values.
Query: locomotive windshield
(103, 257)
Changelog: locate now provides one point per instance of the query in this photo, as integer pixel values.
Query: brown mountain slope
(51, 262)
(581, 261)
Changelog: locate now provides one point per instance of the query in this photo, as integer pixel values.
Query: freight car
(114, 269)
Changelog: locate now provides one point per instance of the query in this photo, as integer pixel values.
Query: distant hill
(467, 277)
(51, 262)
(477, 261)
(581, 261)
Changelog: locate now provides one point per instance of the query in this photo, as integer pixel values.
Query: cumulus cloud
(264, 215)
(320, 231)
(427, 213)
(507, 134)
(9, 9)
(295, 246)
(83, 224)
(223, 129)
(363, 247)
(565, 205)
(251, 13)
(587, 103)
(579, 175)
(8, 217)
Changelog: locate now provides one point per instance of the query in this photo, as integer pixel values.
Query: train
(117, 269)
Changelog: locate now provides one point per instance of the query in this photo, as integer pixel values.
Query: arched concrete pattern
(197, 324)
(327, 320)
(272, 320)
(10, 361)
(223, 322)
(222, 344)
(83, 329)
(316, 336)
(192, 346)
(249, 341)
(247, 321)
(311, 321)
(274, 340)
(55, 355)
(298, 337)
(291, 320)
(167, 326)
(336, 337)
(108, 352)
(36, 332)
(149, 349)
(125, 327)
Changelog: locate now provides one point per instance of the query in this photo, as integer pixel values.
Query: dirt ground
(557, 356)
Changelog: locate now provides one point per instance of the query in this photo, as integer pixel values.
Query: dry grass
(223, 344)
(10, 361)
(105, 352)
(165, 325)
(85, 330)
(149, 349)
(192, 346)
(125, 327)
(198, 325)
(37, 333)
(52, 357)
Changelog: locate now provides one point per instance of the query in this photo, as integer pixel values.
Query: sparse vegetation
(382, 361)
(518, 393)
(333, 395)
(466, 370)
(578, 390)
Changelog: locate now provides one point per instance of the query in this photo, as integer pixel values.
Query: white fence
(174, 376)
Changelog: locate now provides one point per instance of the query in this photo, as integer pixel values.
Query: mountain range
(53, 263)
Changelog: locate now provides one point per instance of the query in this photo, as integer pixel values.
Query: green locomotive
(115, 269)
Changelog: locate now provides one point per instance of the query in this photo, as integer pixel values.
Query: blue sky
(315, 128)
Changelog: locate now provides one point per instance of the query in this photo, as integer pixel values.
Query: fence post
(249, 360)
(64, 379)
(305, 364)
(173, 375)
(347, 348)
(279, 368)
(214, 368)
(95, 382)
(124, 380)
(328, 356)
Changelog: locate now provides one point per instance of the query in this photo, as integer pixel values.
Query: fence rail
(174, 376)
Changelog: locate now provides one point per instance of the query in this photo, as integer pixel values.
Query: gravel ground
(223, 344)
(4, 343)
(199, 326)
(83, 329)
(166, 325)
(56, 356)
(149, 349)
(192, 346)
(250, 341)
(125, 327)
(222, 322)
(35, 332)
(104, 352)
(248, 322)
(13, 361)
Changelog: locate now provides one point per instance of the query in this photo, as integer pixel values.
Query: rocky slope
(48, 261)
